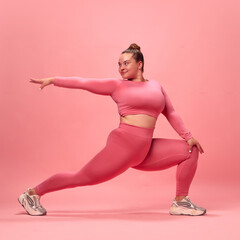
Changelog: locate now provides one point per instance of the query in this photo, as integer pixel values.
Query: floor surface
(74, 218)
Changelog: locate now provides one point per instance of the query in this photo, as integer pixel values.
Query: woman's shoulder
(155, 81)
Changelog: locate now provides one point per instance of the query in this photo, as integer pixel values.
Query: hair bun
(134, 46)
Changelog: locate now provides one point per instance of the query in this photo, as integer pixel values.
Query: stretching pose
(139, 101)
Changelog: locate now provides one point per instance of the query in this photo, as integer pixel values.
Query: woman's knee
(195, 152)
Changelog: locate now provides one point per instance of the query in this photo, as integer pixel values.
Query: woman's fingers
(44, 82)
(195, 142)
(200, 148)
(34, 80)
(39, 81)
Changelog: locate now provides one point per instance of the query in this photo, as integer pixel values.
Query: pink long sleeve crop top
(132, 97)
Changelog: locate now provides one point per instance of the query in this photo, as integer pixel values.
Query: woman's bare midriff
(141, 120)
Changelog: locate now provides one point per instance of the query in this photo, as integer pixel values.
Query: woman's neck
(138, 79)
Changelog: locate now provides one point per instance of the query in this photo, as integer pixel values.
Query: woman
(139, 101)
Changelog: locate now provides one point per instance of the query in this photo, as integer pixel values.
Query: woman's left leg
(165, 153)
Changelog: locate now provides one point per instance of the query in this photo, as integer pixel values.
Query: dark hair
(137, 54)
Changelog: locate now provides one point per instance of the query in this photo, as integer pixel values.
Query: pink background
(191, 47)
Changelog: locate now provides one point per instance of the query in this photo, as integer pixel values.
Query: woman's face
(128, 67)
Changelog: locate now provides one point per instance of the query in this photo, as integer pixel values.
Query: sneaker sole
(19, 200)
(186, 213)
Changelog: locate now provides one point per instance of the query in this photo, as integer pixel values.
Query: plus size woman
(131, 144)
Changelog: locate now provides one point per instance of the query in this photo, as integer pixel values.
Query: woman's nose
(122, 67)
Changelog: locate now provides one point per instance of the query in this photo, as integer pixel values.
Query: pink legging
(130, 146)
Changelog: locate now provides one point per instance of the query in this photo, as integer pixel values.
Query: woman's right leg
(122, 151)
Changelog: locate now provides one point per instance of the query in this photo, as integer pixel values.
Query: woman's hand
(44, 81)
(192, 141)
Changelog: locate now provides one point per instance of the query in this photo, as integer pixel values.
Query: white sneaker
(186, 207)
(31, 203)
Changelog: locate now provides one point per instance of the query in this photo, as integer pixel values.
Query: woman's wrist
(52, 80)
(189, 139)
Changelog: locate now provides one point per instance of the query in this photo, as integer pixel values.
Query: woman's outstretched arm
(103, 86)
(174, 118)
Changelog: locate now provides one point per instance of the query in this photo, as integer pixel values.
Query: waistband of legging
(137, 130)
